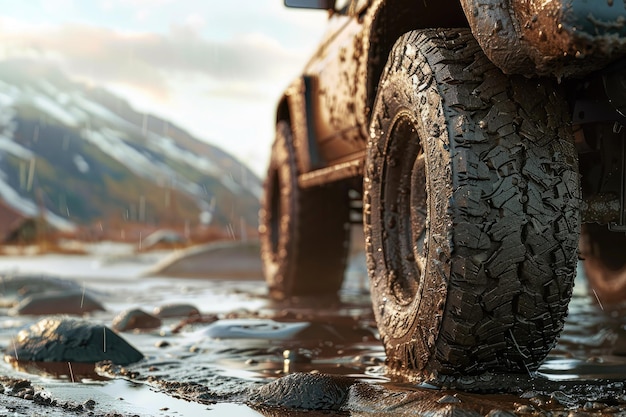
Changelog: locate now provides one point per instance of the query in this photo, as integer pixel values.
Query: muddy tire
(303, 232)
(604, 262)
(470, 209)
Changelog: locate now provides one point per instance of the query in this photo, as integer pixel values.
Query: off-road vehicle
(480, 135)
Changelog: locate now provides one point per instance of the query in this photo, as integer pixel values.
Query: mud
(243, 355)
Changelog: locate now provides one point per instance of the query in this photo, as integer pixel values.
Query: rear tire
(471, 211)
(303, 232)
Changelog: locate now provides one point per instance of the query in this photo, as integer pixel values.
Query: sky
(215, 68)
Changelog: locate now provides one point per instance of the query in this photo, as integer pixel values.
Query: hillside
(88, 158)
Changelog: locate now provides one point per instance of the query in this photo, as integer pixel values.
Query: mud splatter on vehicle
(472, 139)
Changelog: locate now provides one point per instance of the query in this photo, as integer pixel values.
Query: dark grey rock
(71, 340)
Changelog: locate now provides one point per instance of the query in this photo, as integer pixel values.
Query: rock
(254, 329)
(135, 319)
(448, 399)
(277, 330)
(73, 303)
(20, 285)
(175, 310)
(220, 259)
(89, 404)
(304, 391)
(71, 340)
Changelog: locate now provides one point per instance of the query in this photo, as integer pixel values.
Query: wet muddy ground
(244, 355)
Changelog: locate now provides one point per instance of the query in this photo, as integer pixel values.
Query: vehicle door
(335, 72)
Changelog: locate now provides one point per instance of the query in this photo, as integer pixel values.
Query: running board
(343, 170)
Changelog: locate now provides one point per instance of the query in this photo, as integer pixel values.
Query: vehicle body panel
(344, 72)
(335, 69)
(560, 38)
(329, 106)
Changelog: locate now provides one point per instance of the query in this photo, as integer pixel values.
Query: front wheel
(471, 211)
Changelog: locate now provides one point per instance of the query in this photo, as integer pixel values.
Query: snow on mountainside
(87, 156)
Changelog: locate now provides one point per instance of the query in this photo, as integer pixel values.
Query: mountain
(87, 157)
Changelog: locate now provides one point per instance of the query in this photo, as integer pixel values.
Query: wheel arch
(295, 107)
(390, 19)
(283, 112)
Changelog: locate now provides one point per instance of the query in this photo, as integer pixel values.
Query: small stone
(135, 319)
(89, 404)
(20, 385)
(529, 394)
(42, 399)
(448, 399)
(162, 344)
(592, 406)
(561, 398)
(176, 310)
(524, 409)
(539, 400)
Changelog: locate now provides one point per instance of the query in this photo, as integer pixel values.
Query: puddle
(243, 340)
(68, 371)
(127, 397)
(142, 399)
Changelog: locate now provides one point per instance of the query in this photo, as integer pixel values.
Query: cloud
(148, 60)
(239, 91)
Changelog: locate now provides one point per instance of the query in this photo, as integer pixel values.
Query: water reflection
(250, 340)
(593, 342)
(69, 371)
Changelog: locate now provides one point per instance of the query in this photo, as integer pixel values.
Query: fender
(381, 29)
(385, 22)
(548, 38)
(297, 106)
